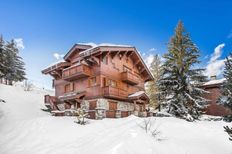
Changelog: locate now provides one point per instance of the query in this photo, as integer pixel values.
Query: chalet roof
(55, 65)
(94, 48)
(139, 95)
(136, 94)
(87, 49)
(80, 46)
(214, 82)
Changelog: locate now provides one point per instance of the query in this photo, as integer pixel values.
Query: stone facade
(103, 108)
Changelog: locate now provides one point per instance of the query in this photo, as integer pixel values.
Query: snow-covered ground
(26, 129)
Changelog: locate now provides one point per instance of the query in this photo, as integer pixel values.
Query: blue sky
(53, 26)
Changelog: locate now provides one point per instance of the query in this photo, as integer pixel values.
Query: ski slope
(26, 129)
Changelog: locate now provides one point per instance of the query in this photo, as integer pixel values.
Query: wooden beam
(123, 53)
(143, 69)
(97, 60)
(137, 62)
(113, 54)
(130, 54)
(55, 72)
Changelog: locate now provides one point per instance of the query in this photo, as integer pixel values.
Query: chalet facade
(214, 88)
(107, 80)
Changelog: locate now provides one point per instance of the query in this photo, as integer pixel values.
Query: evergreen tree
(152, 87)
(2, 57)
(15, 70)
(180, 83)
(226, 98)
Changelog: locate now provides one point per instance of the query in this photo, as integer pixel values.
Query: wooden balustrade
(129, 78)
(76, 72)
(114, 92)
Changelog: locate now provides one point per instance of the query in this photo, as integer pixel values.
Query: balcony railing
(129, 78)
(75, 72)
(114, 92)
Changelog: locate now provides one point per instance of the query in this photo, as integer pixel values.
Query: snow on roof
(57, 111)
(74, 65)
(55, 63)
(88, 51)
(104, 44)
(211, 82)
(137, 94)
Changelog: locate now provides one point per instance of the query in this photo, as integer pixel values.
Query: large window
(68, 87)
(92, 81)
(112, 83)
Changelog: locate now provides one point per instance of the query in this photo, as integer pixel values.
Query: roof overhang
(72, 96)
(101, 49)
(81, 47)
(140, 95)
(60, 65)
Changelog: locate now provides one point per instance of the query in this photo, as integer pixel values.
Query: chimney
(213, 77)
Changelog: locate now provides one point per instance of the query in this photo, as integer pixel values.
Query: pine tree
(152, 87)
(226, 90)
(15, 70)
(181, 80)
(2, 57)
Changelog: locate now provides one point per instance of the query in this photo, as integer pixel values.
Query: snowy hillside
(26, 129)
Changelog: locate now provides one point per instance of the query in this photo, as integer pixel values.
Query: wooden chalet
(107, 80)
(213, 87)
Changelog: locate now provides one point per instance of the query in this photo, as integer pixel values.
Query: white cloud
(58, 56)
(19, 43)
(215, 65)
(152, 49)
(148, 60)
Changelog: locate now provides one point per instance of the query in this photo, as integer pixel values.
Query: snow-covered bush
(28, 85)
(1, 100)
(81, 115)
(148, 125)
(163, 114)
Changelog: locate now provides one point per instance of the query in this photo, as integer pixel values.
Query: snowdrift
(26, 129)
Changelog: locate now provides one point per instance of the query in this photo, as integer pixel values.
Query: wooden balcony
(113, 92)
(129, 78)
(76, 72)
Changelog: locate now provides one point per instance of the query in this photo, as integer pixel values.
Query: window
(104, 82)
(112, 83)
(92, 81)
(68, 87)
(105, 59)
(126, 69)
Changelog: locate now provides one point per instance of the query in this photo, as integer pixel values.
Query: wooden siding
(214, 108)
(102, 75)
